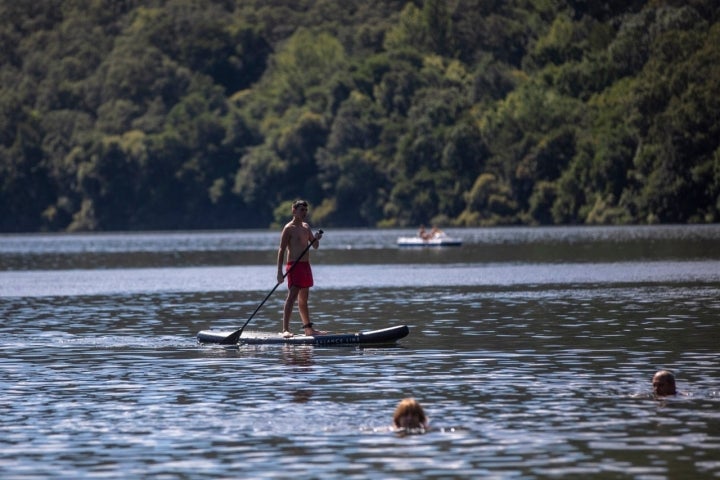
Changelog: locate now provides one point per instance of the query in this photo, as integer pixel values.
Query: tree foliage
(164, 114)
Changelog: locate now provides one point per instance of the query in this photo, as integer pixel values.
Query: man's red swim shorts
(300, 276)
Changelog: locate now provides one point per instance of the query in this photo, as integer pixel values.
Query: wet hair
(299, 203)
(409, 414)
(664, 377)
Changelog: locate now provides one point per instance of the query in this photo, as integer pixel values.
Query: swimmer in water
(663, 383)
(409, 417)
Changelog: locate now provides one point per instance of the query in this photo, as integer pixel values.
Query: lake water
(531, 349)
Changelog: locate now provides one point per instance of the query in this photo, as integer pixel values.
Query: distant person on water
(409, 417)
(663, 383)
(295, 238)
(436, 232)
(422, 233)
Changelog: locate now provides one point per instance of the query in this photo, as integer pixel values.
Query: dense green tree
(162, 114)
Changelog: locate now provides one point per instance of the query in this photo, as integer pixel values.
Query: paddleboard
(383, 336)
(441, 241)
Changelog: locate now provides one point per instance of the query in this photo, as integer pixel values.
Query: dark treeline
(129, 114)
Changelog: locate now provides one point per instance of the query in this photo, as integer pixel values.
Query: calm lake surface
(531, 349)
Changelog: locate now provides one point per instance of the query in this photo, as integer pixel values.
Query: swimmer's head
(409, 414)
(663, 383)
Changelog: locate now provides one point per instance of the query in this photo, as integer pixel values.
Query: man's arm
(281, 254)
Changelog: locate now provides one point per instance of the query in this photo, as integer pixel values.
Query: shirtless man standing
(295, 237)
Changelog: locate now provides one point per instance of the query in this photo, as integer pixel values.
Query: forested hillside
(165, 114)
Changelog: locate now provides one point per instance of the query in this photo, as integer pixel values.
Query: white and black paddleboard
(383, 336)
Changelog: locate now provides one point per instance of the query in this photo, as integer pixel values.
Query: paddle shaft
(235, 336)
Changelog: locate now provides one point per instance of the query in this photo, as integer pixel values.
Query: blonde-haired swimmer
(409, 416)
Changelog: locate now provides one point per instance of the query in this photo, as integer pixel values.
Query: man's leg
(289, 304)
(303, 305)
(305, 312)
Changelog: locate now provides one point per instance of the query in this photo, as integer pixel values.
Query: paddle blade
(231, 339)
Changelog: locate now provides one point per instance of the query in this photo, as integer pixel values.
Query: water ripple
(520, 380)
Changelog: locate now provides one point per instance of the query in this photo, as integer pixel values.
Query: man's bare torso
(295, 239)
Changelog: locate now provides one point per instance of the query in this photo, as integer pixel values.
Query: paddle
(235, 336)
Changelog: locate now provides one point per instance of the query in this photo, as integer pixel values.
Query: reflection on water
(544, 374)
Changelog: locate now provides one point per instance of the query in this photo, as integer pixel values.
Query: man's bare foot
(311, 332)
(286, 334)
